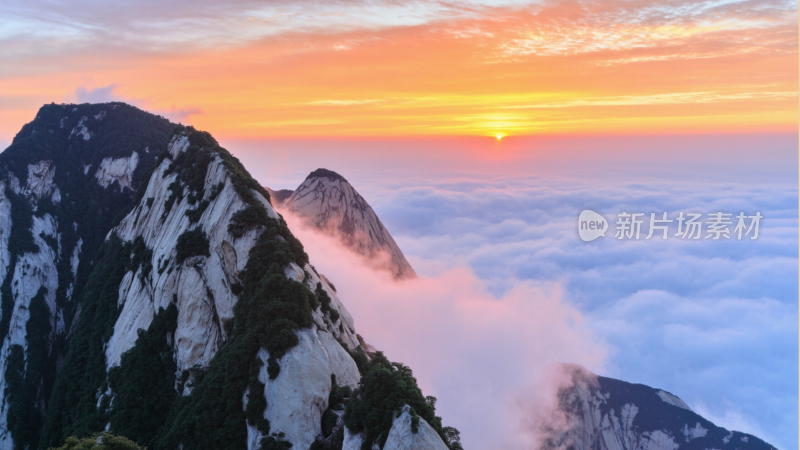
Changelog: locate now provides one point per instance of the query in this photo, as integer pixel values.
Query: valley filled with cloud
(710, 321)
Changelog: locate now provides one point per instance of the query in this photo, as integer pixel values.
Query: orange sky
(562, 68)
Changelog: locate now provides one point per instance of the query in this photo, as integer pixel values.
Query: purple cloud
(108, 93)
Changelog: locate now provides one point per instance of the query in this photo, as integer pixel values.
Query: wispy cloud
(662, 99)
(104, 94)
(97, 95)
(344, 102)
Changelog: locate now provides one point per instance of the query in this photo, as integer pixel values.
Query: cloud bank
(474, 351)
(713, 322)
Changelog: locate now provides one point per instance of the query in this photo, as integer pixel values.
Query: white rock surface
(353, 441)
(81, 130)
(673, 400)
(401, 437)
(331, 204)
(5, 229)
(593, 427)
(596, 413)
(298, 396)
(31, 272)
(200, 285)
(695, 432)
(117, 169)
(40, 180)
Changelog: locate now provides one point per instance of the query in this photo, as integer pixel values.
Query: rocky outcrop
(80, 130)
(329, 203)
(40, 182)
(606, 414)
(117, 169)
(201, 286)
(404, 436)
(5, 231)
(32, 271)
(298, 397)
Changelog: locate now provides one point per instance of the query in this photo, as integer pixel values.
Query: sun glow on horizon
(551, 68)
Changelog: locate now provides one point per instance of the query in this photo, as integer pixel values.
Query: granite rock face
(402, 436)
(119, 170)
(607, 414)
(201, 288)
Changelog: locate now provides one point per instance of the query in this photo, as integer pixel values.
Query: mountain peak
(608, 414)
(325, 173)
(328, 202)
(132, 252)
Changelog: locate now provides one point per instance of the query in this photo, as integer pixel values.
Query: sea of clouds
(715, 322)
(506, 286)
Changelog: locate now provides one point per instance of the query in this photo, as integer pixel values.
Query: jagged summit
(608, 414)
(328, 202)
(325, 173)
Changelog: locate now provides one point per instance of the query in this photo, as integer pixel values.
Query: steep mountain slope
(65, 179)
(328, 202)
(201, 323)
(607, 414)
(200, 218)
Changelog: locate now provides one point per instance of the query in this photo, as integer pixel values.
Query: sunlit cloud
(344, 102)
(660, 99)
(422, 68)
(104, 94)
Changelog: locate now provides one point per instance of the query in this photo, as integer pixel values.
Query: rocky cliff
(197, 322)
(606, 414)
(328, 202)
(65, 179)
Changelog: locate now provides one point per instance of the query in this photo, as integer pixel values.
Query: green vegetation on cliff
(100, 441)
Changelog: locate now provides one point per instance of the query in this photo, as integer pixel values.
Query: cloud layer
(712, 322)
(475, 352)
